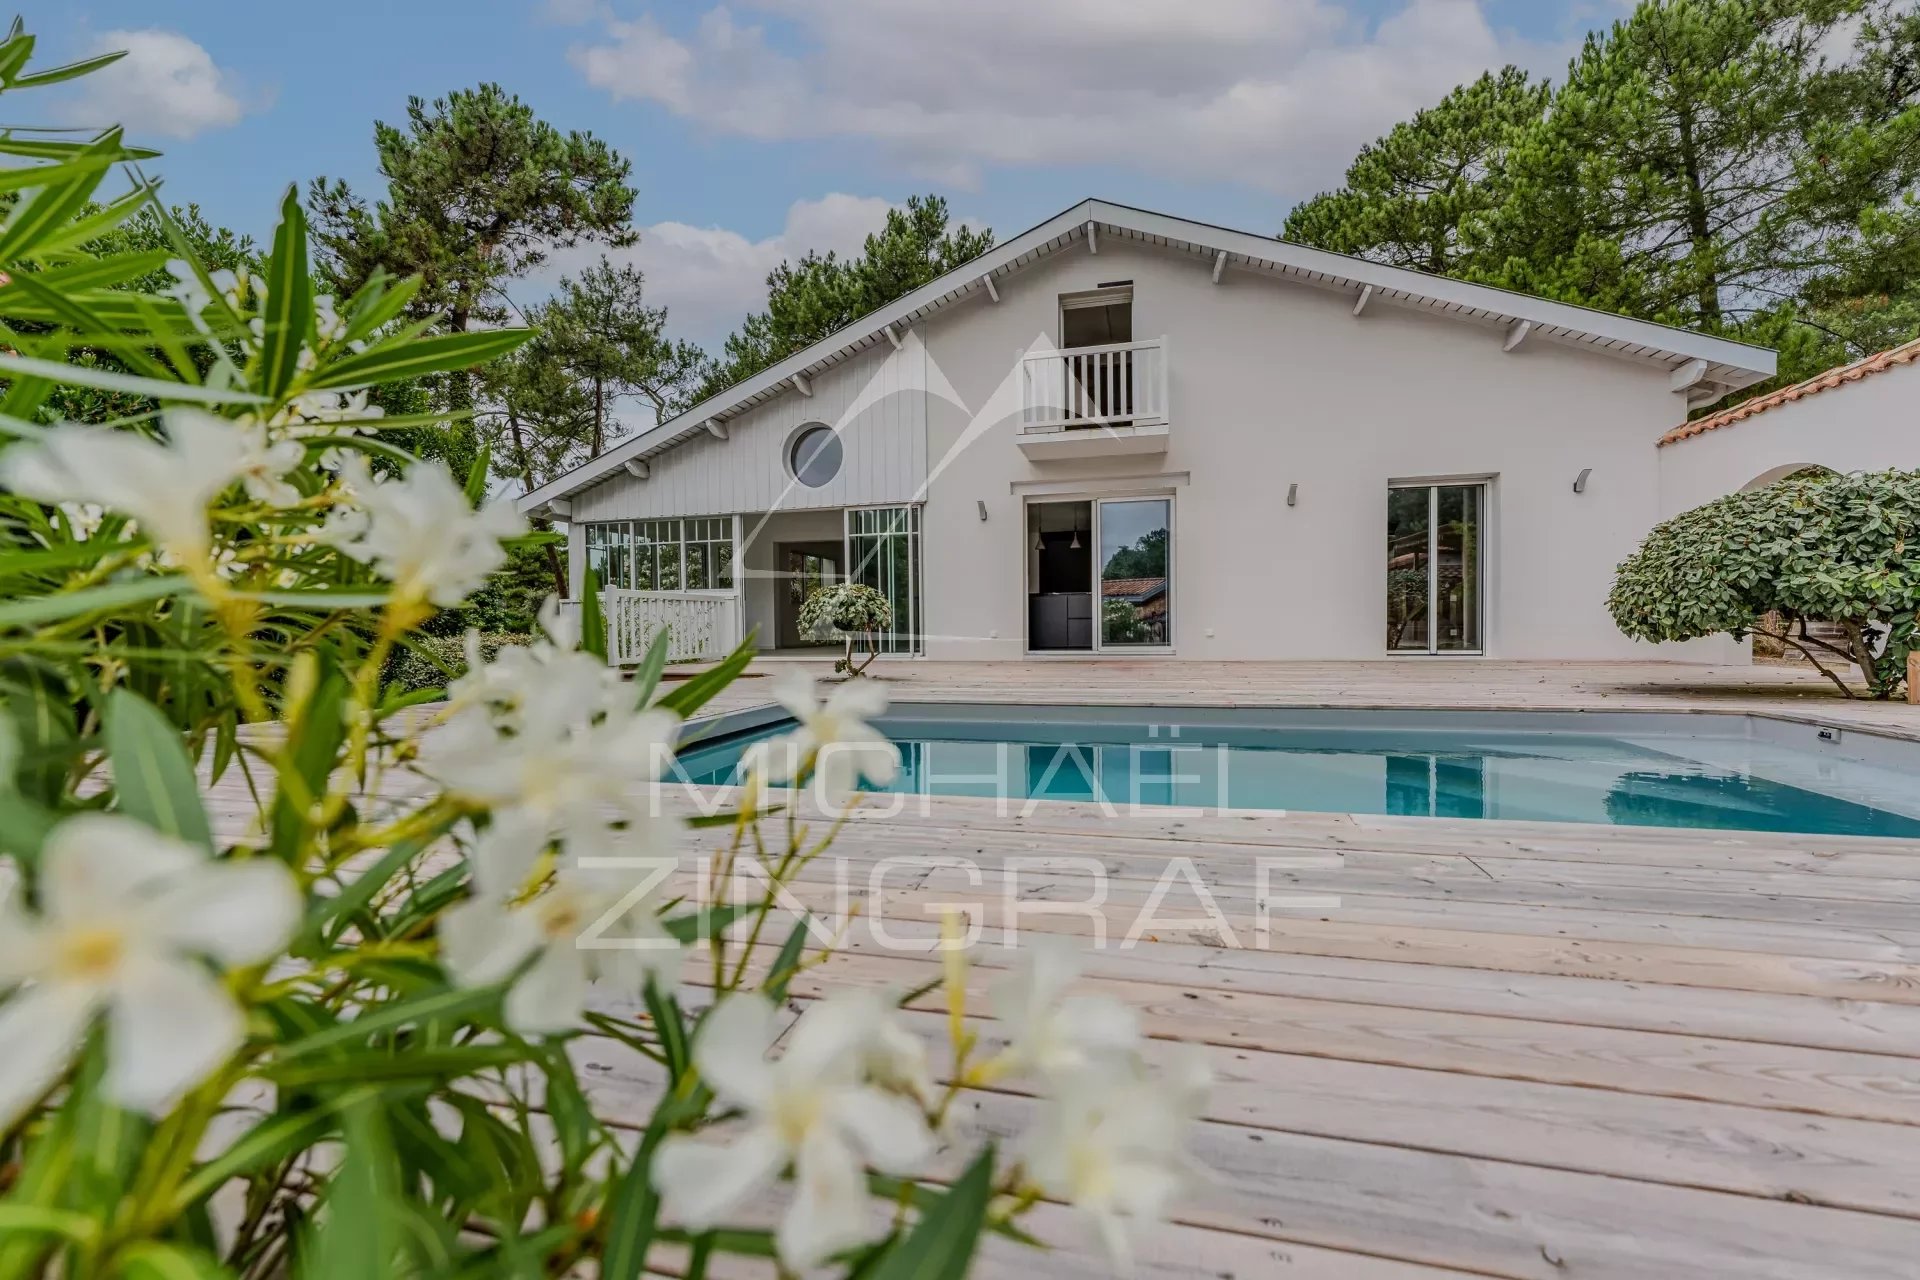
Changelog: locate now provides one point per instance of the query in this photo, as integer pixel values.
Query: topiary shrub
(1815, 547)
(851, 610)
(419, 663)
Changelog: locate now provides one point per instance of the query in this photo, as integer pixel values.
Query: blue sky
(764, 127)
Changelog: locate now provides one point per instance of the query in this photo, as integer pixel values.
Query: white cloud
(1276, 93)
(166, 85)
(710, 278)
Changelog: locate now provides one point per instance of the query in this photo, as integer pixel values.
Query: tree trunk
(554, 565)
(1699, 226)
(599, 417)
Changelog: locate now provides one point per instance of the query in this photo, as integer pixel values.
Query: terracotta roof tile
(1906, 353)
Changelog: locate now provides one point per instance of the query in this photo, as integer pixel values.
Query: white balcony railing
(705, 624)
(1111, 385)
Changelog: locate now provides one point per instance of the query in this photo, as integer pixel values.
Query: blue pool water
(1660, 770)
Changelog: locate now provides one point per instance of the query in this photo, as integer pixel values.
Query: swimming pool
(1721, 771)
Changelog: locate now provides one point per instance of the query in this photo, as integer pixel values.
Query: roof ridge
(1826, 380)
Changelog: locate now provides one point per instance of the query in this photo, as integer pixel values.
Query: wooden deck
(1513, 1049)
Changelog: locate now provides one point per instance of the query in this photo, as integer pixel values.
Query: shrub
(329, 1034)
(849, 610)
(1815, 547)
(433, 662)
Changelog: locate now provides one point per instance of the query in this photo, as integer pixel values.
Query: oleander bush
(294, 968)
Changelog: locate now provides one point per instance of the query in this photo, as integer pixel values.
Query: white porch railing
(1094, 386)
(705, 625)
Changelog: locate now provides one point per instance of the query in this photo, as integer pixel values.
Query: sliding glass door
(1136, 573)
(1436, 589)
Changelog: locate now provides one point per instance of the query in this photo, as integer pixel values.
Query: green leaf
(150, 1260)
(71, 311)
(941, 1244)
(57, 202)
(36, 610)
(670, 1025)
(388, 1017)
(786, 964)
(361, 890)
(323, 598)
(288, 311)
(690, 696)
(14, 54)
(394, 360)
(54, 75)
(701, 925)
(28, 177)
(633, 1207)
(646, 678)
(380, 300)
(74, 375)
(272, 1140)
(153, 775)
(476, 486)
(37, 1220)
(593, 623)
(360, 1233)
(309, 757)
(96, 224)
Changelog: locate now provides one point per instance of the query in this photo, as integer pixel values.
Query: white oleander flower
(166, 485)
(835, 735)
(189, 292)
(522, 682)
(581, 928)
(323, 412)
(1113, 1147)
(811, 1109)
(125, 915)
(561, 774)
(329, 326)
(419, 532)
(263, 461)
(1057, 1036)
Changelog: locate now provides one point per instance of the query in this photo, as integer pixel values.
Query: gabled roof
(1697, 360)
(1846, 374)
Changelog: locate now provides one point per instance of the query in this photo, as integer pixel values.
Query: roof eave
(1731, 365)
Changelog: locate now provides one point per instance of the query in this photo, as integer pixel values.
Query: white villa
(1127, 433)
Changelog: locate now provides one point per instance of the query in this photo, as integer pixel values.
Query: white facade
(1271, 376)
(1869, 425)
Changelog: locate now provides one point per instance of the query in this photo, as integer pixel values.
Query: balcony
(1091, 402)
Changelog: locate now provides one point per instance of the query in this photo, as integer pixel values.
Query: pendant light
(1075, 544)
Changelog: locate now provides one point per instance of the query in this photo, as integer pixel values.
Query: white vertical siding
(875, 400)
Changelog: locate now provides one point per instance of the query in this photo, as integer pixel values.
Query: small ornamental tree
(1815, 547)
(851, 610)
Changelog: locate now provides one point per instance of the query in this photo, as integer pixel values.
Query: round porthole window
(814, 456)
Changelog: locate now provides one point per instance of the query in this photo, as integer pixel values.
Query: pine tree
(1417, 197)
(810, 299)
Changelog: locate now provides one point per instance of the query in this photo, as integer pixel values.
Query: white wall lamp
(1580, 481)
